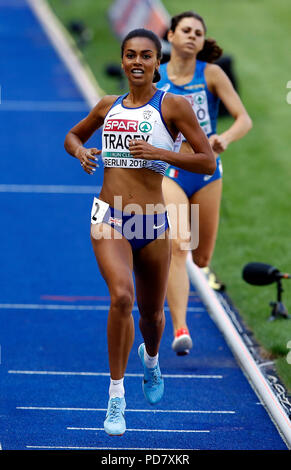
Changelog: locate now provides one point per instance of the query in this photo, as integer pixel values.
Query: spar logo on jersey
(145, 127)
(121, 125)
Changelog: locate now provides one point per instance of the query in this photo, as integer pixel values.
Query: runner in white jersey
(129, 225)
(123, 124)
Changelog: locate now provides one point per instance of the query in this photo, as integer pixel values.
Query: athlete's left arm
(180, 117)
(220, 85)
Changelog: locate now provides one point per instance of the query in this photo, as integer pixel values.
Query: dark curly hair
(211, 50)
(145, 33)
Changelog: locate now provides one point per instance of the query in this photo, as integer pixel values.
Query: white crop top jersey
(123, 124)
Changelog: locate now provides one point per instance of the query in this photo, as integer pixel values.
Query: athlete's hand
(87, 159)
(218, 144)
(139, 148)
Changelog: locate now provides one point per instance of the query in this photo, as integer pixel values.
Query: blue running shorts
(193, 182)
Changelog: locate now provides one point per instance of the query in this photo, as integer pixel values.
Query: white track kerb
(68, 51)
(86, 82)
(240, 351)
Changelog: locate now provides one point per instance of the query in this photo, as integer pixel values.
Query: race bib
(98, 211)
(199, 104)
(122, 160)
(198, 101)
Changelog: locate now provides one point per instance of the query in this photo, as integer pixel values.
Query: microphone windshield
(260, 274)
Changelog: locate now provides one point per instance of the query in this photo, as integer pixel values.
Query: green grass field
(255, 214)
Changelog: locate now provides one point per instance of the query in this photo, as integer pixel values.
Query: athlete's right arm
(179, 116)
(81, 132)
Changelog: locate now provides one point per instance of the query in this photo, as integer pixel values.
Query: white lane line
(47, 106)
(48, 189)
(53, 307)
(143, 430)
(75, 307)
(107, 374)
(53, 408)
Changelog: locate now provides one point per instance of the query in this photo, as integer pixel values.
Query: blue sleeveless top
(204, 103)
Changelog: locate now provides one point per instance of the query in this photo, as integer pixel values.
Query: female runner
(139, 130)
(190, 73)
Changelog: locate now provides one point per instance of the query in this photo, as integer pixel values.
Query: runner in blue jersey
(190, 73)
(139, 130)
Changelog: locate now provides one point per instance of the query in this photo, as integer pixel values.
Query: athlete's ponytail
(157, 76)
(145, 33)
(211, 50)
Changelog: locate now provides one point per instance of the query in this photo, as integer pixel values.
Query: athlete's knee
(178, 249)
(201, 259)
(122, 299)
(154, 315)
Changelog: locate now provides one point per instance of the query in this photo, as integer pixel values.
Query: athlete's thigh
(151, 268)
(178, 209)
(113, 255)
(208, 198)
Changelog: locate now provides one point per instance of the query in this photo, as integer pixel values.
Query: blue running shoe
(114, 423)
(153, 383)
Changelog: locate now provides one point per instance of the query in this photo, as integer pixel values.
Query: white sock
(116, 388)
(150, 361)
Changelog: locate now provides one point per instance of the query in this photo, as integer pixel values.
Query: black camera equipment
(261, 274)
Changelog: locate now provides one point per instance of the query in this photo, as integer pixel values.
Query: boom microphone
(261, 274)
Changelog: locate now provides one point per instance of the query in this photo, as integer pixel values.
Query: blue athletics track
(54, 302)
